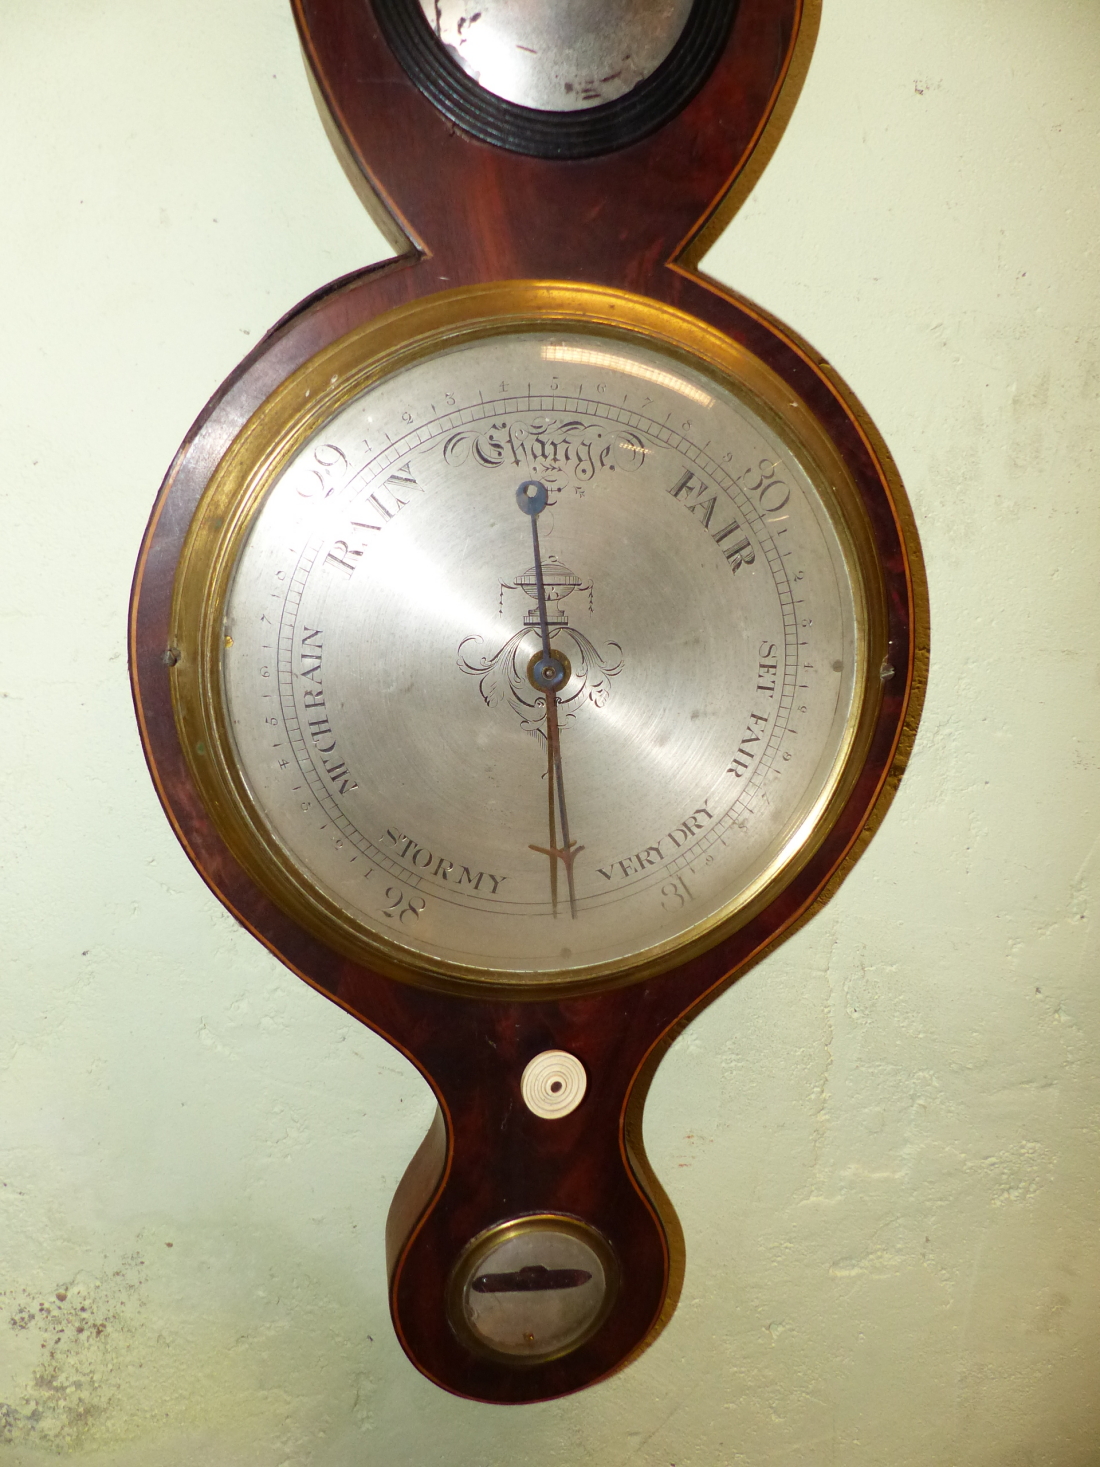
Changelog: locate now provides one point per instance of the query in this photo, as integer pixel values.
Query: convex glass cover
(537, 660)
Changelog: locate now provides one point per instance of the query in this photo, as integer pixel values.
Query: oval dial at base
(384, 620)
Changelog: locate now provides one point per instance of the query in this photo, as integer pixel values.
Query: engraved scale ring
(557, 740)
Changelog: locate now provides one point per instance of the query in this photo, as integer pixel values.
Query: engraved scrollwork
(503, 676)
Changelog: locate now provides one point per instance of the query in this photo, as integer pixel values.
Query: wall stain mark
(83, 1329)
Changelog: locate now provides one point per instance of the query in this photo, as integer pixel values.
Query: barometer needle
(548, 675)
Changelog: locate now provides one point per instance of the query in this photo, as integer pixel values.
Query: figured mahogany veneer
(476, 214)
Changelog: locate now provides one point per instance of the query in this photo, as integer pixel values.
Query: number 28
(400, 908)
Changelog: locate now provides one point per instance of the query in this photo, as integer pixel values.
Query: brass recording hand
(548, 674)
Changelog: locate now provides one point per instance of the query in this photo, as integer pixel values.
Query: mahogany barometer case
(523, 635)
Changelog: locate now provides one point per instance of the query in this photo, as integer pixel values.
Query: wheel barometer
(523, 635)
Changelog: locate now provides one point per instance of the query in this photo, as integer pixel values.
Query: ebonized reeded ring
(606, 128)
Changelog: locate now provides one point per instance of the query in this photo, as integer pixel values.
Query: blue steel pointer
(548, 674)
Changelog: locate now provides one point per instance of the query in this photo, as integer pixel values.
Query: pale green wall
(883, 1143)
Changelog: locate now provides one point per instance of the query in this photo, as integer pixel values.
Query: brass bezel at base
(479, 1248)
(320, 389)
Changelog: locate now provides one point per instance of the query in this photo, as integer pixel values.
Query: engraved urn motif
(504, 675)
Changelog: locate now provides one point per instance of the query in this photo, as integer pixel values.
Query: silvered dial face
(568, 56)
(541, 658)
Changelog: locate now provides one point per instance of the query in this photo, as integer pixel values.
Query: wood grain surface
(474, 213)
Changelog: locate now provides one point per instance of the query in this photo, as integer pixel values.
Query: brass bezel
(478, 1249)
(319, 389)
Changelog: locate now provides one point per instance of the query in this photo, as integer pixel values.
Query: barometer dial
(538, 659)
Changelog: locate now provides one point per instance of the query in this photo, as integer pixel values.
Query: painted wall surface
(882, 1144)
